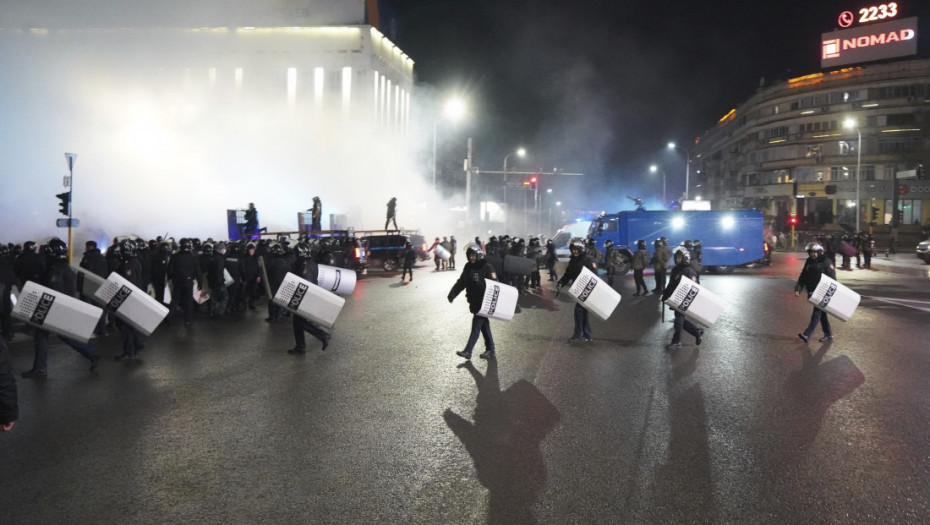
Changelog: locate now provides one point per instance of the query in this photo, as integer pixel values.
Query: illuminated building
(786, 150)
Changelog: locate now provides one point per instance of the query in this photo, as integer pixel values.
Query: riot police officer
(58, 276)
(131, 269)
(306, 268)
(682, 270)
(472, 280)
(576, 263)
(183, 270)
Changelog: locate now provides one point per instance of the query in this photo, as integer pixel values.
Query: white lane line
(908, 303)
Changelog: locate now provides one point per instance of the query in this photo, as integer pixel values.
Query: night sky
(602, 86)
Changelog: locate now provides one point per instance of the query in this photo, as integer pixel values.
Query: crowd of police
(193, 278)
(860, 246)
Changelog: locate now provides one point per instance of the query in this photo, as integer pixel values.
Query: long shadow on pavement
(504, 443)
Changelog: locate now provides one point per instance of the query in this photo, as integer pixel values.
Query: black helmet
(249, 246)
(207, 248)
(578, 243)
(126, 249)
(185, 245)
(641, 244)
(4, 250)
(685, 254)
(303, 250)
(687, 244)
(476, 250)
(56, 249)
(29, 246)
(276, 248)
(814, 247)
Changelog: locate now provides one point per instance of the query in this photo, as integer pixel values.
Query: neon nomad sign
(892, 39)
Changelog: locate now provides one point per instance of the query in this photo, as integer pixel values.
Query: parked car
(384, 250)
(923, 251)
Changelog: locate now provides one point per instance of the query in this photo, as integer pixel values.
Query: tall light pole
(520, 153)
(453, 110)
(672, 146)
(850, 123)
(654, 169)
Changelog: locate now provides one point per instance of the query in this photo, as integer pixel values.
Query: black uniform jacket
(472, 281)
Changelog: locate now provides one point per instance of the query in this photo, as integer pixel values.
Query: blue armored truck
(728, 238)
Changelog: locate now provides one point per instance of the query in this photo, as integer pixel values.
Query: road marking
(908, 303)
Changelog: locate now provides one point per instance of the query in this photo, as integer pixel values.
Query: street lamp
(654, 169)
(520, 153)
(672, 146)
(453, 110)
(850, 123)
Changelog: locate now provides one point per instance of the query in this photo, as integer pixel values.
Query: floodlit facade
(794, 148)
(311, 55)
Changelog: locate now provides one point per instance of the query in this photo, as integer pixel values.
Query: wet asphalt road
(218, 424)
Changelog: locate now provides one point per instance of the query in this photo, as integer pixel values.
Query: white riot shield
(131, 304)
(593, 294)
(309, 300)
(56, 312)
(835, 298)
(500, 301)
(340, 281)
(698, 303)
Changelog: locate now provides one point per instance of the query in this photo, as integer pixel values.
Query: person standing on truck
(472, 280)
(576, 262)
(660, 263)
(640, 260)
(391, 213)
(316, 214)
(681, 270)
(816, 266)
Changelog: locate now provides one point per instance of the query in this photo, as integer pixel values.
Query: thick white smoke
(155, 157)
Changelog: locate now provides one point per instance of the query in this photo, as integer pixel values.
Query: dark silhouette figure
(391, 213)
(504, 442)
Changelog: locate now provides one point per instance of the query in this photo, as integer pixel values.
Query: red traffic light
(793, 220)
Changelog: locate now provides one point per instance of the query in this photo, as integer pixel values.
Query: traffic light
(65, 206)
(920, 171)
(874, 214)
(533, 180)
(792, 220)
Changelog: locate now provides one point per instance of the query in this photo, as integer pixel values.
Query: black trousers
(302, 325)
